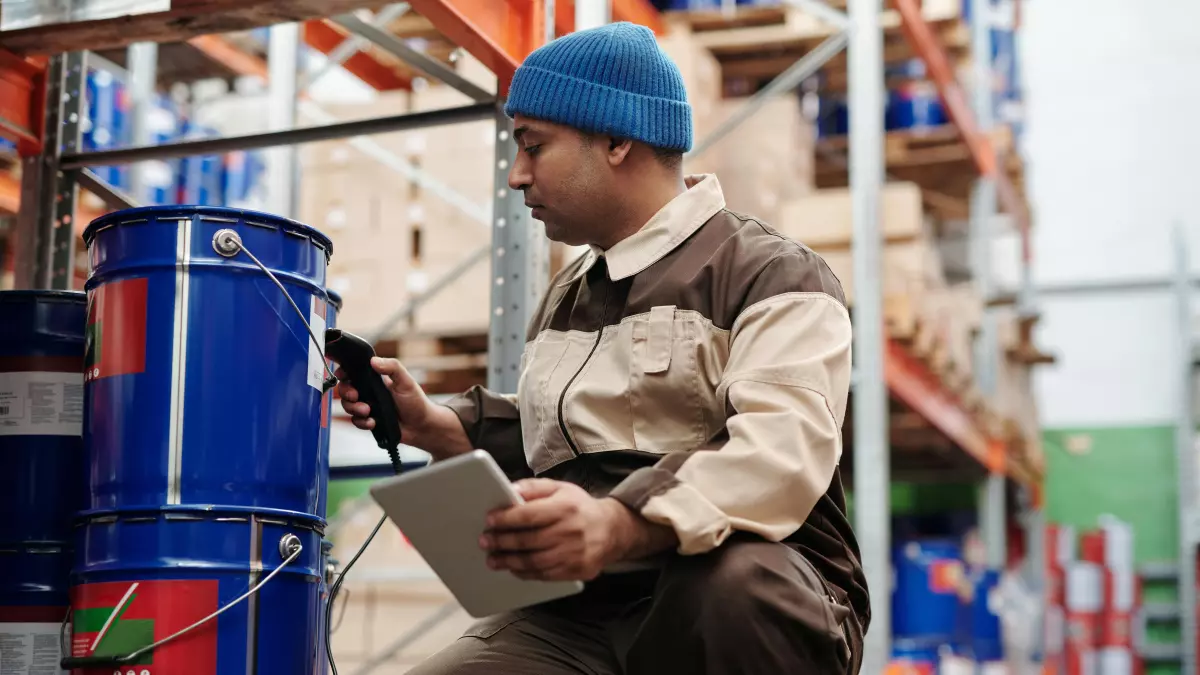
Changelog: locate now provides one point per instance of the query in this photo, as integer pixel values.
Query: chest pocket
(671, 391)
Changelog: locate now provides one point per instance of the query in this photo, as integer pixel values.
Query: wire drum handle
(228, 243)
(289, 547)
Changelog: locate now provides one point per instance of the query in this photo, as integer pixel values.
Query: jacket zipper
(562, 398)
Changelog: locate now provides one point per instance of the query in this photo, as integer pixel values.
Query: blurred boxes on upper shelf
(18, 14)
(404, 208)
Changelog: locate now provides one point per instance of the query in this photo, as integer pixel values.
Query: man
(676, 433)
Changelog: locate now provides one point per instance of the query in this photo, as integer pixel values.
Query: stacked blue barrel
(204, 454)
(42, 482)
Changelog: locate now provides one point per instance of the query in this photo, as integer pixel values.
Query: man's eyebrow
(520, 131)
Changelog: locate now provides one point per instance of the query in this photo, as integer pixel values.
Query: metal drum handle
(228, 243)
(289, 547)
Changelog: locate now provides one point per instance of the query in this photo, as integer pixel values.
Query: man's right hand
(423, 424)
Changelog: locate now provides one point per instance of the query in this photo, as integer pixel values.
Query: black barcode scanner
(354, 355)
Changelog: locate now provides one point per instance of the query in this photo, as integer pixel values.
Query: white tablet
(442, 509)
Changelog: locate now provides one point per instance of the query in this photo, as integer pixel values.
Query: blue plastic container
(41, 447)
(107, 127)
(201, 177)
(922, 655)
(161, 570)
(929, 574)
(915, 105)
(204, 386)
(161, 176)
(986, 635)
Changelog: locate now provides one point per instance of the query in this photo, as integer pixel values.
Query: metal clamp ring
(227, 243)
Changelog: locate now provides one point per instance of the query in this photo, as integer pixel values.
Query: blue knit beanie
(608, 80)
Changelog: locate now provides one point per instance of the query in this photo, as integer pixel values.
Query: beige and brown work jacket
(698, 371)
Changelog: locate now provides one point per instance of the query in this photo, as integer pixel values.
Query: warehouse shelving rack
(47, 64)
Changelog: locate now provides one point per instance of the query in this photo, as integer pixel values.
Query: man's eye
(532, 149)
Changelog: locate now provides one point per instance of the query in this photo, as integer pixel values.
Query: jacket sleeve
(786, 386)
(492, 422)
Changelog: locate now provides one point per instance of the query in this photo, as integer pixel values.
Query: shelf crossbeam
(422, 62)
(272, 139)
(499, 34)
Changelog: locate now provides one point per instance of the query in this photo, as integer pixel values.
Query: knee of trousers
(747, 585)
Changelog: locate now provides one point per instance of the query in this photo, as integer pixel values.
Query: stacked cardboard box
(918, 302)
(394, 236)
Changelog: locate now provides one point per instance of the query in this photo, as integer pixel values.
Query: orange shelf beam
(22, 87)
(229, 55)
(927, 46)
(500, 33)
(10, 194)
(375, 74)
(911, 381)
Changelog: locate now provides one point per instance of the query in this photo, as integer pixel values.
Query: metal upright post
(46, 223)
(983, 215)
(1185, 452)
(520, 268)
(520, 257)
(143, 74)
(872, 471)
(283, 55)
(592, 13)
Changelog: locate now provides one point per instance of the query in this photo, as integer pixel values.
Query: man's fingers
(530, 562)
(506, 541)
(540, 513)
(347, 393)
(356, 409)
(537, 488)
(364, 423)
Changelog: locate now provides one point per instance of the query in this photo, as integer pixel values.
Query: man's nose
(519, 177)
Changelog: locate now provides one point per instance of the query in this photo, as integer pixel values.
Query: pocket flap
(659, 344)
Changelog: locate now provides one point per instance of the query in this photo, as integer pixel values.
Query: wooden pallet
(756, 44)
(936, 158)
(441, 364)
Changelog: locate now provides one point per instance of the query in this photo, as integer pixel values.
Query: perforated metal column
(520, 268)
(48, 196)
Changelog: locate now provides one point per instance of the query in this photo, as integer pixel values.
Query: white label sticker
(41, 404)
(30, 649)
(316, 364)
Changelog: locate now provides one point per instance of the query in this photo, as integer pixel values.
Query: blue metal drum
(203, 385)
(203, 406)
(327, 579)
(143, 575)
(929, 576)
(331, 311)
(41, 450)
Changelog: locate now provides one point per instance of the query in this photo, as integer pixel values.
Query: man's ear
(618, 149)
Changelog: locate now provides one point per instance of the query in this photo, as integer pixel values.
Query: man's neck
(640, 205)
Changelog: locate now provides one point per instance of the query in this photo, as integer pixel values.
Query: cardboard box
(824, 218)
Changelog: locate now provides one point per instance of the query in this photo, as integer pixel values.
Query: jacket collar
(674, 222)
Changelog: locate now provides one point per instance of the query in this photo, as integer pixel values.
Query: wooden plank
(186, 19)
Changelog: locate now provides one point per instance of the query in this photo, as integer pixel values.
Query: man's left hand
(559, 533)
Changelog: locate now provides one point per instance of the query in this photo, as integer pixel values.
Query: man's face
(565, 179)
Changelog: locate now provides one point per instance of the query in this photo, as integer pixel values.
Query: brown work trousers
(747, 608)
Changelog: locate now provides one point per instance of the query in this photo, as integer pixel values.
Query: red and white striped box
(1119, 630)
(1084, 608)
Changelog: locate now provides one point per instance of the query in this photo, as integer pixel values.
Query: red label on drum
(119, 618)
(116, 329)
